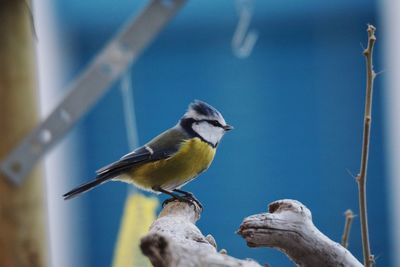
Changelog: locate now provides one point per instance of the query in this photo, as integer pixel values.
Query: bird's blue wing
(162, 147)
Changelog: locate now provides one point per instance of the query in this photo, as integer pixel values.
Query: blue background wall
(296, 104)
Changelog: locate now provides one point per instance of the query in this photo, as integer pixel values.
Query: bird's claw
(168, 200)
(188, 198)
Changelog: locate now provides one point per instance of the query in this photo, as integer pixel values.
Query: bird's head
(205, 121)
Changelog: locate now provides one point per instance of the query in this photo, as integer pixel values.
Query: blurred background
(296, 102)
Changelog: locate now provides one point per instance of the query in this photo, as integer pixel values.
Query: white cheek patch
(208, 132)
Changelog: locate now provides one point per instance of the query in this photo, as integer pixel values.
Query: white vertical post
(67, 248)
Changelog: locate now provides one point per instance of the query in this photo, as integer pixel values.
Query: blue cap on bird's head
(202, 108)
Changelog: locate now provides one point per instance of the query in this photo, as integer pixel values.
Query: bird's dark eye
(215, 123)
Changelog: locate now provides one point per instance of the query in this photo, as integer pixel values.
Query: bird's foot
(185, 197)
(168, 200)
(192, 199)
(188, 198)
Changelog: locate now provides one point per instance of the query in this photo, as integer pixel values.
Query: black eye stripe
(213, 122)
(190, 121)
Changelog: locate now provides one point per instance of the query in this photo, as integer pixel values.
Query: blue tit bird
(170, 160)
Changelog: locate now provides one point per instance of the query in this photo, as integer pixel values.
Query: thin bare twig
(362, 176)
(347, 227)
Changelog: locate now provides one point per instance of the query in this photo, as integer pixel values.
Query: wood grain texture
(22, 223)
(288, 227)
(175, 241)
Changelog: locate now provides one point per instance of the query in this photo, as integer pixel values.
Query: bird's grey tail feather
(86, 187)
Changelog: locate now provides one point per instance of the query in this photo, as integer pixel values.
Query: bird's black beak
(227, 128)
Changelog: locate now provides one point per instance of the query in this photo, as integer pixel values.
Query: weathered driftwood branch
(174, 240)
(288, 227)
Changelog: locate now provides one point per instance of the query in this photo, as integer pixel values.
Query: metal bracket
(244, 40)
(90, 85)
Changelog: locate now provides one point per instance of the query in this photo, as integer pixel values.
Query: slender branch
(362, 176)
(288, 227)
(347, 227)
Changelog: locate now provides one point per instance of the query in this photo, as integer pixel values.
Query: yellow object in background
(139, 213)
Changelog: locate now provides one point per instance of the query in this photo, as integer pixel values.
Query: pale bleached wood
(288, 227)
(175, 241)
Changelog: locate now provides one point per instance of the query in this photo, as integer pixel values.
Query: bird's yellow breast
(193, 157)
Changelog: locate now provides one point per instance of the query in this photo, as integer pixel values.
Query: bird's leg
(165, 191)
(173, 196)
(185, 193)
(189, 196)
